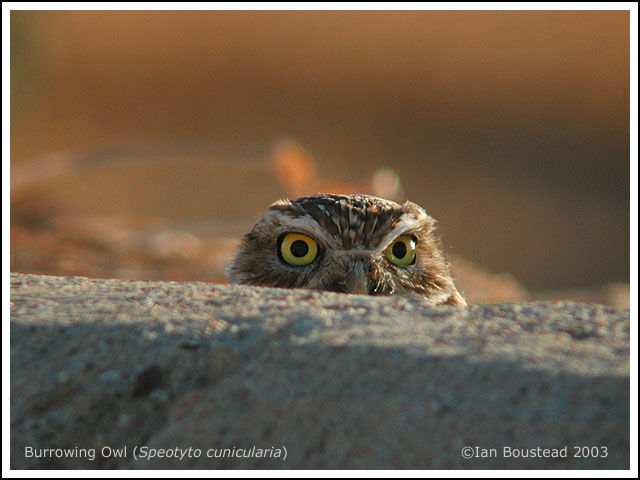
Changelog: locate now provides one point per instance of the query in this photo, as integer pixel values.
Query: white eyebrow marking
(406, 223)
(307, 224)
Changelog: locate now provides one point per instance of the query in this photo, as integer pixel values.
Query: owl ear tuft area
(420, 213)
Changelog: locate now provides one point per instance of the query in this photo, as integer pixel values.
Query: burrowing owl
(346, 243)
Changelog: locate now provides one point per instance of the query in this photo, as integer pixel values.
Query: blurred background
(144, 144)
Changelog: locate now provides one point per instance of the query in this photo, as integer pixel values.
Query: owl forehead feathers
(350, 221)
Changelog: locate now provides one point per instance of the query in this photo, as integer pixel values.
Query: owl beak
(358, 279)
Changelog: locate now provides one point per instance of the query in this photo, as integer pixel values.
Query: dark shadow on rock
(369, 407)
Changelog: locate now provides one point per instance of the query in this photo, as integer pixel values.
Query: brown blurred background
(142, 132)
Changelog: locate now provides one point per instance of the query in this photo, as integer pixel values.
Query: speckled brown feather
(352, 231)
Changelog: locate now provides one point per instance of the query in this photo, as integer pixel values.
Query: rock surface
(302, 379)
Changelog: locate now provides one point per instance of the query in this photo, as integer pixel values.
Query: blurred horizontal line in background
(510, 128)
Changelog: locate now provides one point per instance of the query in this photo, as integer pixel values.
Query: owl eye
(297, 249)
(402, 251)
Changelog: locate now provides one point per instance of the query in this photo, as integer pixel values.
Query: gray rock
(272, 378)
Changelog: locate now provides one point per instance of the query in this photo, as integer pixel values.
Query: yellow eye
(402, 251)
(297, 249)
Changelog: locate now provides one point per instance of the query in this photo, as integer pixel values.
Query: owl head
(346, 243)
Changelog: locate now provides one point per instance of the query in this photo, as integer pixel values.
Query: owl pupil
(399, 250)
(299, 248)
